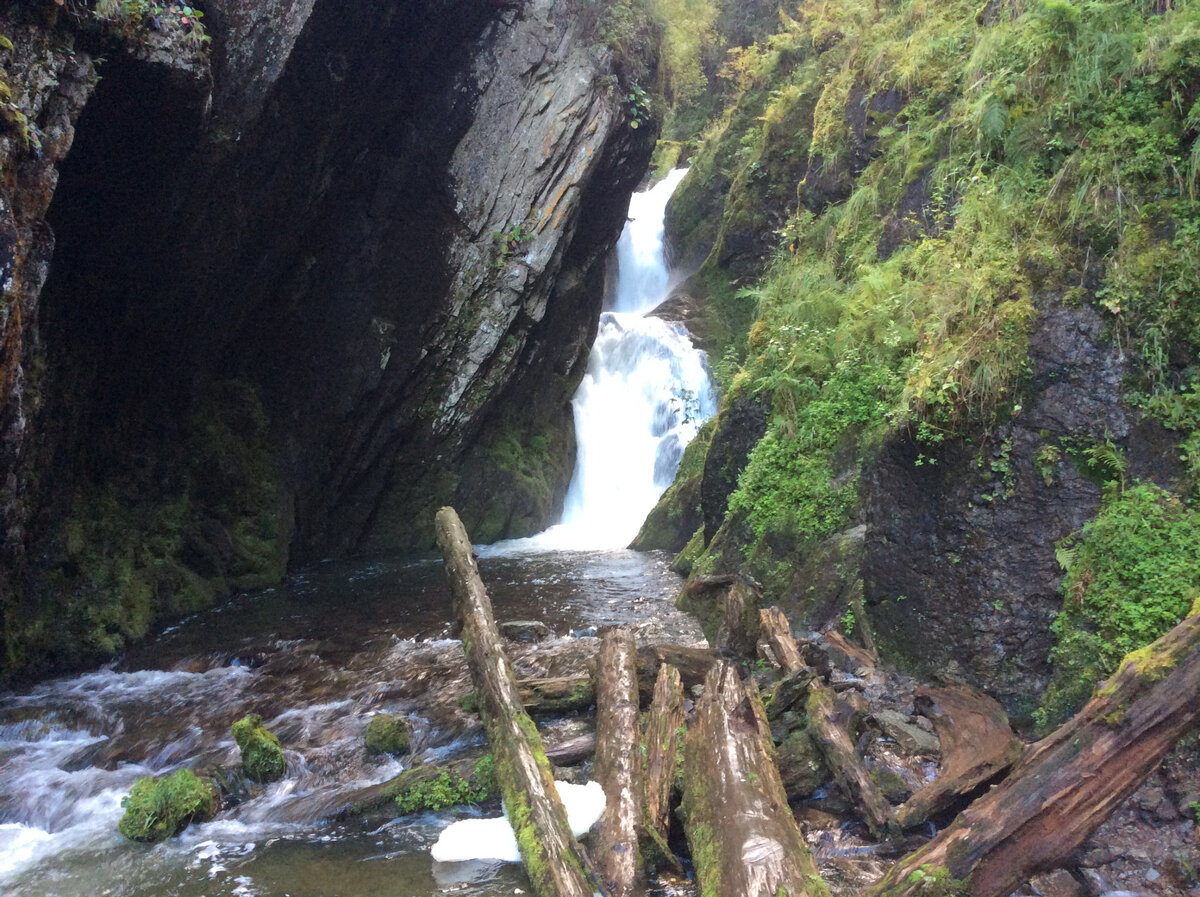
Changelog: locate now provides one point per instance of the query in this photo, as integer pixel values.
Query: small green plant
(637, 106)
(509, 242)
(1046, 460)
(847, 621)
(450, 789)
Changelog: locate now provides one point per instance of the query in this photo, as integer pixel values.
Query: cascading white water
(645, 394)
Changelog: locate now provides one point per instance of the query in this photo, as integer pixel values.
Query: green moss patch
(424, 788)
(1131, 574)
(387, 734)
(262, 757)
(160, 808)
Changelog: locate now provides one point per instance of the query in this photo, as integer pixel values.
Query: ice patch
(493, 839)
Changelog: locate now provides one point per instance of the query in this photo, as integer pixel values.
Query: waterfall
(645, 394)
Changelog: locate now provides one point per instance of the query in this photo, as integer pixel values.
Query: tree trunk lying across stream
(1068, 783)
(548, 849)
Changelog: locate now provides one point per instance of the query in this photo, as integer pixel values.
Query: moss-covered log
(743, 837)
(548, 850)
(977, 746)
(616, 842)
(1069, 782)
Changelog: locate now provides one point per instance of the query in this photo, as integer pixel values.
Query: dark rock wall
(382, 228)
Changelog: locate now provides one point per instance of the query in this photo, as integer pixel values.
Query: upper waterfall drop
(644, 396)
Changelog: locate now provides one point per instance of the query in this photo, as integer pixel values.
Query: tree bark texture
(549, 851)
(744, 839)
(1068, 783)
(616, 839)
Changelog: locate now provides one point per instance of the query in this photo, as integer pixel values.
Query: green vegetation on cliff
(900, 190)
(1131, 574)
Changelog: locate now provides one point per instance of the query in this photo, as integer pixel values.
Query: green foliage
(1131, 574)
(262, 757)
(159, 808)
(508, 243)
(450, 789)
(637, 106)
(387, 734)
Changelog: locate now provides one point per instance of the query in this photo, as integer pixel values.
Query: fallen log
(977, 746)
(616, 838)
(830, 735)
(1068, 783)
(664, 727)
(827, 728)
(737, 636)
(548, 850)
(744, 839)
(779, 648)
(692, 665)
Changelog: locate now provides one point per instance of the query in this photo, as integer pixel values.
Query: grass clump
(160, 808)
(1131, 575)
(262, 757)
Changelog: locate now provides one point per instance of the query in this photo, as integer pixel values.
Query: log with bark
(692, 665)
(977, 746)
(548, 850)
(616, 839)
(776, 644)
(744, 839)
(828, 730)
(1068, 783)
(664, 726)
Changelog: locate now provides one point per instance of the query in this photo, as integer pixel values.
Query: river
(318, 656)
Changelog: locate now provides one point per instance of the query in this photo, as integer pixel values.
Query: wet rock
(911, 738)
(262, 757)
(1059, 883)
(891, 784)
(387, 734)
(524, 630)
(800, 765)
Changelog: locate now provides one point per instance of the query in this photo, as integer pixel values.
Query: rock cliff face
(297, 292)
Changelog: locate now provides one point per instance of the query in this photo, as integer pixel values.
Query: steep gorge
(298, 282)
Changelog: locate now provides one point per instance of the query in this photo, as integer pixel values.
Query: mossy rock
(262, 757)
(387, 734)
(436, 788)
(160, 808)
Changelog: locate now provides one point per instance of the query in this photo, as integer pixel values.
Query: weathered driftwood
(548, 849)
(615, 841)
(744, 839)
(831, 736)
(557, 694)
(977, 745)
(1068, 783)
(737, 635)
(829, 731)
(692, 665)
(778, 647)
(664, 725)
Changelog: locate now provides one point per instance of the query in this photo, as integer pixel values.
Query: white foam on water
(493, 839)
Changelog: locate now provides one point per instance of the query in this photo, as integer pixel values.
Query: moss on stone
(262, 757)
(418, 790)
(159, 808)
(387, 734)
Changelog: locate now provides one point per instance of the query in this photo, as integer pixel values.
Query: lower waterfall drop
(644, 396)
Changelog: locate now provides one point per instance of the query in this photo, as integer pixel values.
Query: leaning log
(1068, 783)
(977, 747)
(744, 839)
(548, 849)
(615, 842)
(829, 731)
(830, 734)
(777, 646)
(664, 726)
(692, 664)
